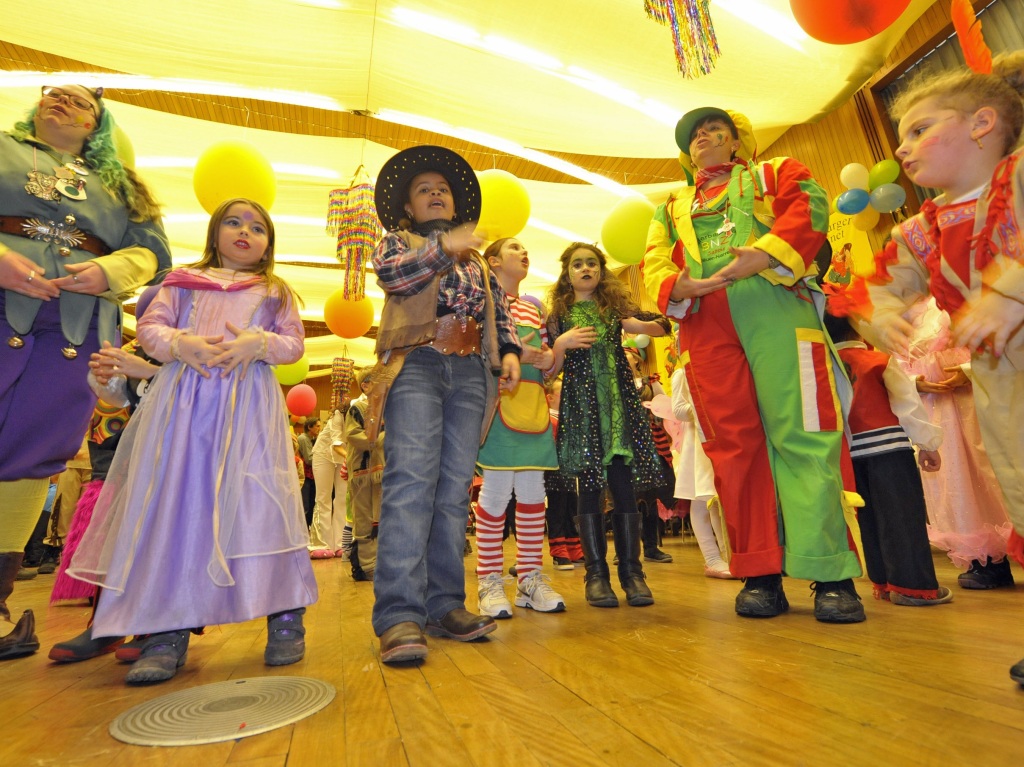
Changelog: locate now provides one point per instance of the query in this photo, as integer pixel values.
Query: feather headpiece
(968, 31)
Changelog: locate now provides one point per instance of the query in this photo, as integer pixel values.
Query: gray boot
(286, 643)
(162, 656)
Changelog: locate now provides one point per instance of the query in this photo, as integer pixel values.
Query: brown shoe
(403, 642)
(21, 641)
(462, 625)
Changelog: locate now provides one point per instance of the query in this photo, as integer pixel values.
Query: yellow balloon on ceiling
(230, 169)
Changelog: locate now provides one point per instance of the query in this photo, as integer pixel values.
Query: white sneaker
(491, 592)
(535, 593)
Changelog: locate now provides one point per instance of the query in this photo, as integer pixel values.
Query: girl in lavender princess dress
(200, 521)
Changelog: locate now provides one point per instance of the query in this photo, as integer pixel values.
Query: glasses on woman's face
(76, 101)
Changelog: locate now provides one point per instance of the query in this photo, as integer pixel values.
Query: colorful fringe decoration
(66, 588)
(968, 32)
(693, 35)
(352, 216)
(342, 371)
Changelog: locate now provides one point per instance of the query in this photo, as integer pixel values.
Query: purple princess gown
(200, 521)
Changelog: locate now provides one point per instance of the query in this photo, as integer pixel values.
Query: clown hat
(689, 121)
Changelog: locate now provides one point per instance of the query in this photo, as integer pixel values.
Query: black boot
(358, 573)
(652, 533)
(51, 559)
(631, 572)
(23, 640)
(595, 548)
(34, 549)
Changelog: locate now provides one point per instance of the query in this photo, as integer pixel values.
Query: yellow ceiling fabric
(605, 64)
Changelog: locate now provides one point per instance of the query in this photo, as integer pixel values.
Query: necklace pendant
(77, 167)
(42, 186)
(72, 189)
(727, 228)
(69, 352)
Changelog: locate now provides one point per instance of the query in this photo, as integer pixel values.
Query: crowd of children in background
(559, 408)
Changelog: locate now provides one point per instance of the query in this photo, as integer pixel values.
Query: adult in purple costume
(218, 534)
(78, 232)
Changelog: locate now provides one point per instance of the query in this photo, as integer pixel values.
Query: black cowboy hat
(392, 192)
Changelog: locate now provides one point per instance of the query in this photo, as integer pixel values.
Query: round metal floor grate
(222, 711)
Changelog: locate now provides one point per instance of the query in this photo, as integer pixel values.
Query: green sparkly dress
(600, 415)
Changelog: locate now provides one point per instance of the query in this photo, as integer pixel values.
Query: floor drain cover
(222, 711)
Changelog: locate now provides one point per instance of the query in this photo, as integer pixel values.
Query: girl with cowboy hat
(444, 325)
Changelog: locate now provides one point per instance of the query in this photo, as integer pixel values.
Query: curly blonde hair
(967, 92)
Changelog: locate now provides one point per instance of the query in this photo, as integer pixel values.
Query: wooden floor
(684, 682)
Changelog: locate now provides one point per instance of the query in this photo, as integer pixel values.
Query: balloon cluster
(870, 192)
(640, 342)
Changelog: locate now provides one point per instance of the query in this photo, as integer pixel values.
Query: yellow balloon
(865, 220)
(504, 205)
(348, 318)
(233, 169)
(123, 147)
(624, 231)
(292, 373)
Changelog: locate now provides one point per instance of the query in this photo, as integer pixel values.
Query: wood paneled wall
(859, 131)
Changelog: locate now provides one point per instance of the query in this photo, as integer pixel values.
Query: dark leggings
(620, 483)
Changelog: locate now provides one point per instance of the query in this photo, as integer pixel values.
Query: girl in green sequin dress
(604, 435)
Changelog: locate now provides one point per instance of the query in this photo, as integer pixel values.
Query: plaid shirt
(404, 272)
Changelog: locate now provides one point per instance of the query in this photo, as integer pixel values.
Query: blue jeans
(432, 425)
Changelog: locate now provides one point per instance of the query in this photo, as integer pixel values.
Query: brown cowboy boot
(23, 640)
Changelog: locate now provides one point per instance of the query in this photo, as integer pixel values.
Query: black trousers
(893, 522)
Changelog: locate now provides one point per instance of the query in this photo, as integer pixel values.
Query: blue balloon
(853, 201)
(888, 197)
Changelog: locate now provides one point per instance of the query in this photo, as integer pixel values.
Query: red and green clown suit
(766, 382)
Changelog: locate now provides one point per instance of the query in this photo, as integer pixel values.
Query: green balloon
(884, 172)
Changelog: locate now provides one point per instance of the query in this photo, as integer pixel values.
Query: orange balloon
(346, 318)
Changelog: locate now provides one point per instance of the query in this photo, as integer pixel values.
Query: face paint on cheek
(719, 139)
(931, 141)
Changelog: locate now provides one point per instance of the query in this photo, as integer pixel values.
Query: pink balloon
(301, 400)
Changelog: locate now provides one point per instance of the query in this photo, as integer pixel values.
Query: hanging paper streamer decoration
(693, 35)
(968, 33)
(352, 217)
(341, 378)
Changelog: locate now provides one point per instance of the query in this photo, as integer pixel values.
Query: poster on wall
(851, 251)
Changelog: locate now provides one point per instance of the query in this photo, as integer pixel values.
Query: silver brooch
(51, 231)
